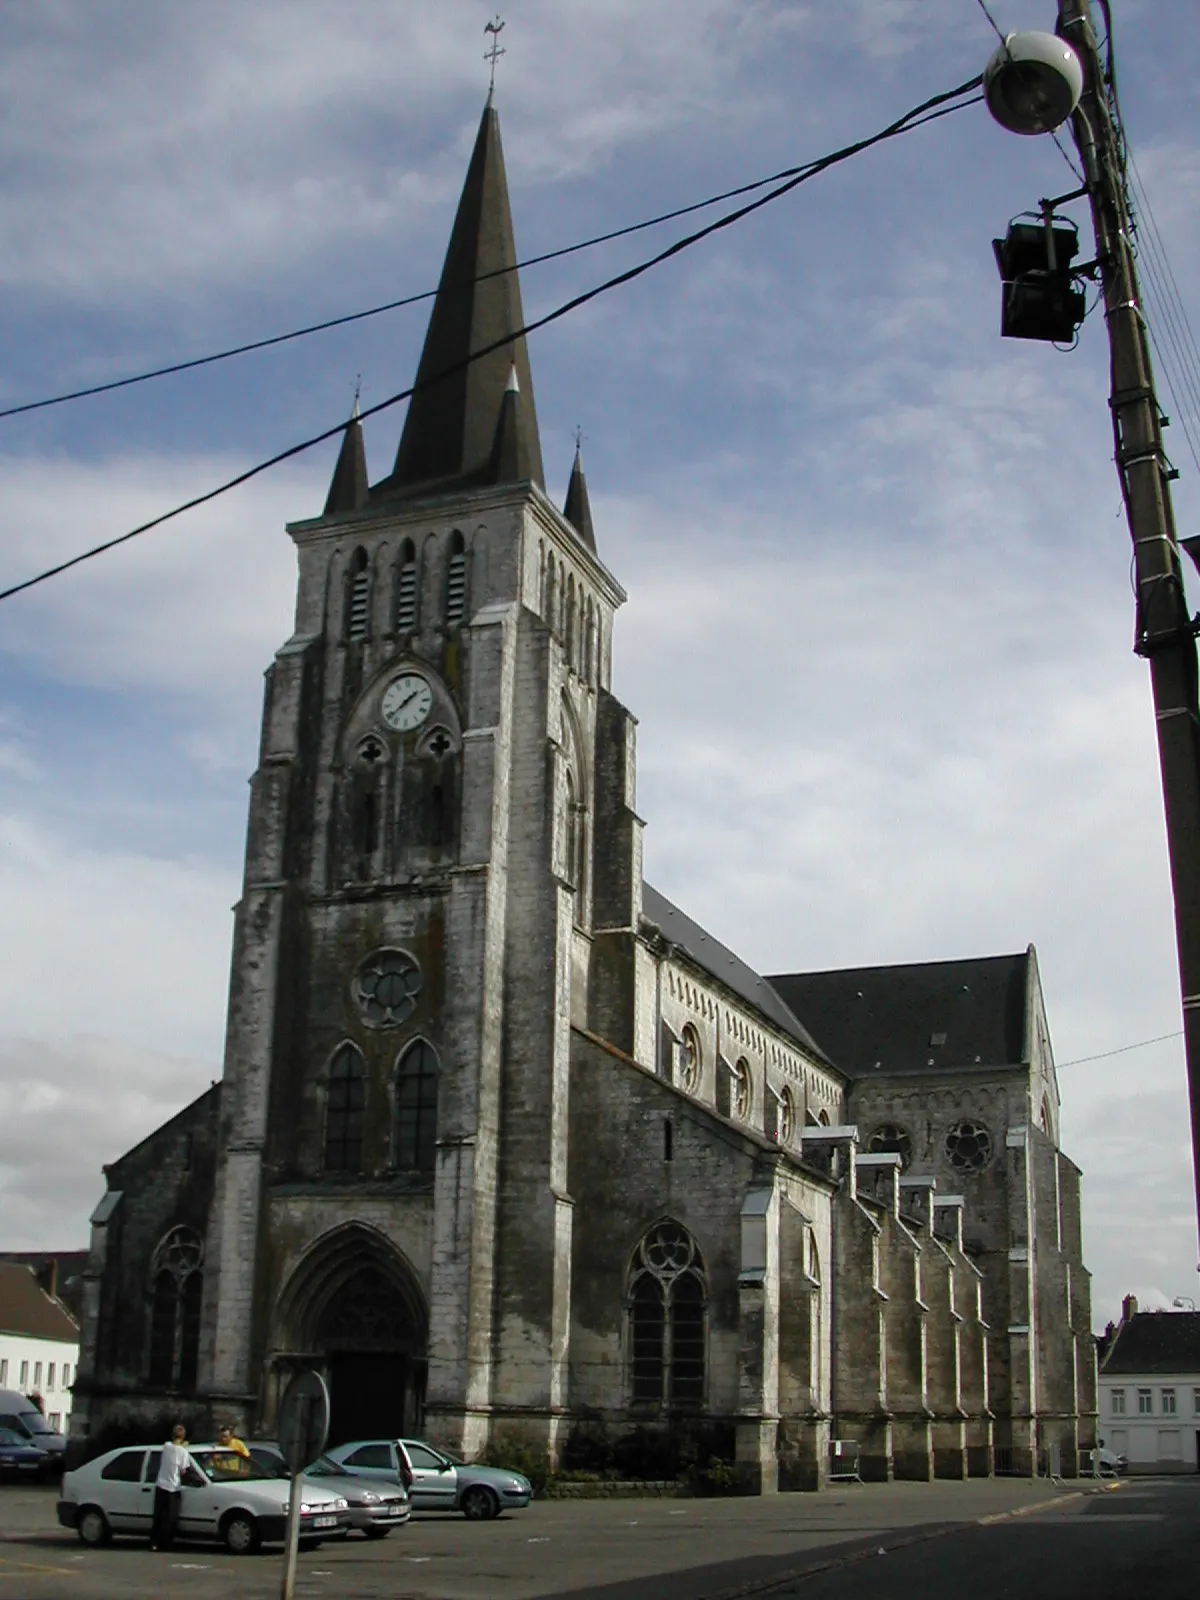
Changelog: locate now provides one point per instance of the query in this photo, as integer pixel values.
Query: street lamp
(1182, 1300)
(1034, 82)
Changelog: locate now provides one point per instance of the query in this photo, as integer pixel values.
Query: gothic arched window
(456, 581)
(667, 1300)
(176, 1290)
(570, 622)
(406, 589)
(345, 1111)
(358, 599)
(416, 1108)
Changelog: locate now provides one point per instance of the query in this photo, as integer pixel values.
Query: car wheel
(479, 1504)
(377, 1533)
(92, 1527)
(240, 1534)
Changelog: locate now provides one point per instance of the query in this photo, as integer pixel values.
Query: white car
(224, 1497)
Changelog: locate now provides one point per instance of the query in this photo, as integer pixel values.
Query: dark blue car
(20, 1457)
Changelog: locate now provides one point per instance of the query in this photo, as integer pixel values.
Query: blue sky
(878, 635)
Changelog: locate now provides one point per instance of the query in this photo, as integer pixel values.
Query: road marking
(545, 1539)
(32, 1566)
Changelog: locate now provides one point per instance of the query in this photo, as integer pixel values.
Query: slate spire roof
(348, 487)
(577, 510)
(450, 433)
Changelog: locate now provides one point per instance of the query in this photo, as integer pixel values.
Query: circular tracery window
(890, 1138)
(741, 1088)
(386, 987)
(787, 1116)
(180, 1252)
(690, 1057)
(667, 1250)
(968, 1146)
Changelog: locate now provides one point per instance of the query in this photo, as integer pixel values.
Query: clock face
(406, 702)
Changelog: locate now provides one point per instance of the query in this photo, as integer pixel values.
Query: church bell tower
(413, 934)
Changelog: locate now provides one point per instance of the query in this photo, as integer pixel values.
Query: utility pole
(1164, 632)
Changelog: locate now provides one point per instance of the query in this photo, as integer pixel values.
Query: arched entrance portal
(355, 1307)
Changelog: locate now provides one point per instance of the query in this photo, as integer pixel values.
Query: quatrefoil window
(386, 987)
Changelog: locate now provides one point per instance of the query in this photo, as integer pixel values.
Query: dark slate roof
(26, 1308)
(1155, 1341)
(450, 430)
(721, 962)
(887, 1018)
(348, 488)
(578, 510)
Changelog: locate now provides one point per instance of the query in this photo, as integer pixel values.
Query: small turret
(348, 488)
(577, 509)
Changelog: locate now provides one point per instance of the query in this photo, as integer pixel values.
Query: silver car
(436, 1481)
(375, 1507)
(223, 1498)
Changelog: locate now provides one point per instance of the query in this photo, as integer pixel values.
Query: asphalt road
(978, 1540)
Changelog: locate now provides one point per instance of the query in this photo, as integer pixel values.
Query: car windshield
(7, 1436)
(326, 1467)
(219, 1466)
(36, 1423)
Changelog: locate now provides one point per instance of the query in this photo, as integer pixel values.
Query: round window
(742, 1089)
(690, 1057)
(386, 987)
(891, 1139)
(968, 1146)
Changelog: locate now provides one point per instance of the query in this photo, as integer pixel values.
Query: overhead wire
(927, 111)
(191, 363)
(1121, 1050)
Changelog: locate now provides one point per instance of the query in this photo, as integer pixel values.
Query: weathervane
(495, 52)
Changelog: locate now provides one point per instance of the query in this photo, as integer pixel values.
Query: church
(507, 1146)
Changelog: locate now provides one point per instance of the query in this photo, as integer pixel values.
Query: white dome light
(1033, 82)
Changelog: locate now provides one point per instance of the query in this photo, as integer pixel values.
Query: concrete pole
(1163, 632)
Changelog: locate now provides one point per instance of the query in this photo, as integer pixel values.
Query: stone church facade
(505, 1144)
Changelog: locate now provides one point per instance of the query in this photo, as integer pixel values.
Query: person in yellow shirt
(231, 1455)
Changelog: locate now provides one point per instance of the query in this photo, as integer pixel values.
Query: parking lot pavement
(684, 1548)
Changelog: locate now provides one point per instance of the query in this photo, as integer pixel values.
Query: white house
(39, 1343)
(1149, 1390)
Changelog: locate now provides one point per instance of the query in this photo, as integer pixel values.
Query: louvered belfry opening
(359, 609)
(456, 583)
(406, 590)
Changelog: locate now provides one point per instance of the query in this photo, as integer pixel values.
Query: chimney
(1129, 1308)
(47, 1276)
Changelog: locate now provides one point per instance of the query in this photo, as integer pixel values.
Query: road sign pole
(293, 1539)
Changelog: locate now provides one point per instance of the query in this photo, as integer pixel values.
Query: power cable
(392, 305)
(1123, 1050)
(917, 117)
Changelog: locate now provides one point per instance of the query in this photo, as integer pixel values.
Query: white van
(20, 1414)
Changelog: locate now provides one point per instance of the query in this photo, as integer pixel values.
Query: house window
(345, 1111)
(52, 1372)
(416, 1109)
(1168, 1401)
(24, 1374)
(37, 1374)
(1145, 1403)
(55, 1421)
(666, 1303)
(456, 582)
(3, 1373)
(177, 1287)
(66, 1375)
(1118, 1402)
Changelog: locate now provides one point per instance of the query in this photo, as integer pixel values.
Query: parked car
(243, 1506)
(20, 1457)
(1107, 1463)
(23, 1417)
(375, 1507)
(436, 1481)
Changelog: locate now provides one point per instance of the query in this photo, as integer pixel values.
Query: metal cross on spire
(494, 53)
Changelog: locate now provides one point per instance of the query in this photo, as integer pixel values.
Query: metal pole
(293, 1538)
(1164, 632)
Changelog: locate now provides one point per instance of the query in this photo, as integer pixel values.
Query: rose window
(969, 1146)
(890, 1139)
(386, 988)
(690, 1057)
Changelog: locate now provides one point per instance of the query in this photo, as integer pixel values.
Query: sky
(878, 635)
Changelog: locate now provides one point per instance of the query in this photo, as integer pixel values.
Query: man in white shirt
(167, 1491)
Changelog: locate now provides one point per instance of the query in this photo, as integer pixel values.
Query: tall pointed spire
(450, 429)
(578, 510)
(348, 488)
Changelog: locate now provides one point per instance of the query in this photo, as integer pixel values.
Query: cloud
(66, 1107)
